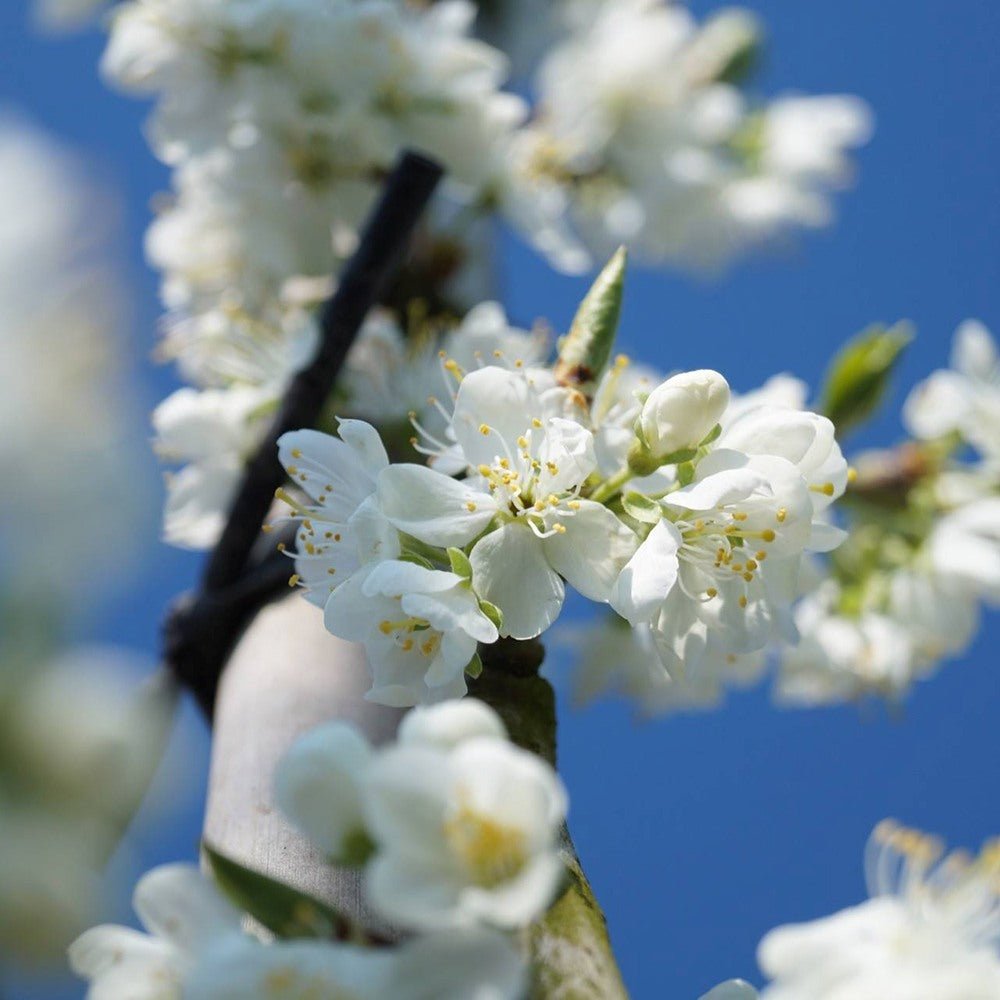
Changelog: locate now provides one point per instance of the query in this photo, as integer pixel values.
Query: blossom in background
(62, 383)
(462, 827)
(79, 749)
(930, 931)
(641, 137)
(280, 122)
(196, 948)
(63, 15)
(964, 399)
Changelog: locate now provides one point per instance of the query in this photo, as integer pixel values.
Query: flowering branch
(201, 628)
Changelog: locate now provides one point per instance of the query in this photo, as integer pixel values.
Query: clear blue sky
(702, 832)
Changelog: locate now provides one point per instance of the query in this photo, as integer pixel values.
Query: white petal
(433, 507)
(366, 442)
(318, 785)
(649, 576)
(180, 905)
(567, 447)
(395, 578)
(499, 400)
(509, 569)
(593, 550)
(454, 611)
(446, 725)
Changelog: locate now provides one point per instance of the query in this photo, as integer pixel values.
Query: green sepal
(641, 508)
(492, 612)
(712, 435)
(286, 912)
(475, 667)
(585, 350)
(859, 374)
(460, 564)
(356, 848)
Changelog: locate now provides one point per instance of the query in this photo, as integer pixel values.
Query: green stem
(571, 953)
(611, 487)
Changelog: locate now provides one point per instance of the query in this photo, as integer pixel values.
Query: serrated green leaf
(642, 508)
(859, 374)
(460, 564)
(492, 612)
(475, 667)
(286, 912)
(584, 352)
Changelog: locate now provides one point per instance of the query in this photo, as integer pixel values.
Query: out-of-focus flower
(929, 932)
(62, 390)
(459, 827)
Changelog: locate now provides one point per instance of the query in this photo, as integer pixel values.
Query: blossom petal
(510, 570)
(649, 576)
(592, 551)
(433, 507)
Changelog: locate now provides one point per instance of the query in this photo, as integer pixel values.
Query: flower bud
(681, 412)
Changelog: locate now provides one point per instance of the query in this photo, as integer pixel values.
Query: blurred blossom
(930, 931)
(62, 389)
(78, 749)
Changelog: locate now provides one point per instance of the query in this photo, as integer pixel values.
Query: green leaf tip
(859, 374)
(586, 349)
(286, 912)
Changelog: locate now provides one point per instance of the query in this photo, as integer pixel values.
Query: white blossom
(930, 931)
(964, 399)
(641, 139)
(527, 466)
(420, 628)
(465, 835)
(196, 950)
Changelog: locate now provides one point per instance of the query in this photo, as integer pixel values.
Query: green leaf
(641, 508)
(492, 612)
(460, 564)
(584, 352)
(859, 374)
(475, 667)
(284, 911)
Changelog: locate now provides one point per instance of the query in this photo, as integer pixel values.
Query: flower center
(491, 852)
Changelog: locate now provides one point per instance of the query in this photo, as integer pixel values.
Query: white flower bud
(681, 412)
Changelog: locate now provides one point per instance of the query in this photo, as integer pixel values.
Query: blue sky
(702, 832)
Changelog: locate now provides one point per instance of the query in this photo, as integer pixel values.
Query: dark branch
(202, 628)
(380, 252)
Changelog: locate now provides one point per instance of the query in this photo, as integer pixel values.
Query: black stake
(202, 628)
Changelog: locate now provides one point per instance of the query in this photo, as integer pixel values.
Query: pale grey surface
(286, 676)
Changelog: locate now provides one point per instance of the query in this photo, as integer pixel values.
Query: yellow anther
(739, 516)
(711, 592)
(293, 580)
(751, 564)
(536, 423)
(852, 475)
(768, 535)
(552, 467)
(310, 548)
(498, 354)
(559, 529)
(540, 505)
(574, 505)
(336, 537)
(622, 361)
(470, 506)
(699, 525)
(737, 567)
(504, 463)
(748, 577)
(484, 429)
(522, 442)
(760, 556)
(267, 529)
(407, 645)
(781, 515)
(331, 572)
(485, 470)
(296, 453)
(743, 600)
(293, 470)
(825, 488)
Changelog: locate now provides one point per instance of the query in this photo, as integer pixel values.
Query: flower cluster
(688, 516)
(280, 119)
(931, 930)
(196, 949)
(642, 136)
(924, 554)
(457, 826)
